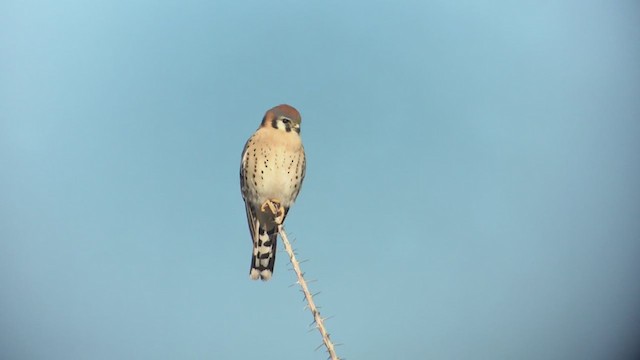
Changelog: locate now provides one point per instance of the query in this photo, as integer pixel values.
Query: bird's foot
(276, 209)
(272, 204)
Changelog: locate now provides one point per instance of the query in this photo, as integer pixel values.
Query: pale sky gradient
(472, 187)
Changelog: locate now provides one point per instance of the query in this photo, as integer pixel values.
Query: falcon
(271, 174)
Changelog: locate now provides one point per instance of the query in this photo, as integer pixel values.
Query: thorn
(316, 294)
(319, 346)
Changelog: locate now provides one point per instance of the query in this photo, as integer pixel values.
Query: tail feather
(264, 254)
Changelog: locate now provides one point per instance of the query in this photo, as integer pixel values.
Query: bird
(272, 170)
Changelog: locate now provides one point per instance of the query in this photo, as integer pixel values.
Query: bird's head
(283, 117)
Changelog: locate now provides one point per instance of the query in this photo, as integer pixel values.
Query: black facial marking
(274, 123)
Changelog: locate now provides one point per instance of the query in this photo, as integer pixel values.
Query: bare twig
(318, 320)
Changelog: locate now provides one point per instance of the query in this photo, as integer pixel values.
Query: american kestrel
(271, 174)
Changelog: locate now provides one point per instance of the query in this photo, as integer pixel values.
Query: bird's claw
(276, 209)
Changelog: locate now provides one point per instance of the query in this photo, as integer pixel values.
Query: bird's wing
(251, 216)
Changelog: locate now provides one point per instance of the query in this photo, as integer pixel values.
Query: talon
(275, 208)
(273, 204)
(279, 216)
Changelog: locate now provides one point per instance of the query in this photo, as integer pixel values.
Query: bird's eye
(286, 121)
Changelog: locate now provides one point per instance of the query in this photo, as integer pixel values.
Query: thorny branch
(318, 320)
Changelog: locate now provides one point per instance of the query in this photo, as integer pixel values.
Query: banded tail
(264, 253)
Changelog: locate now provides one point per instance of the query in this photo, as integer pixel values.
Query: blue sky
(471, 190)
